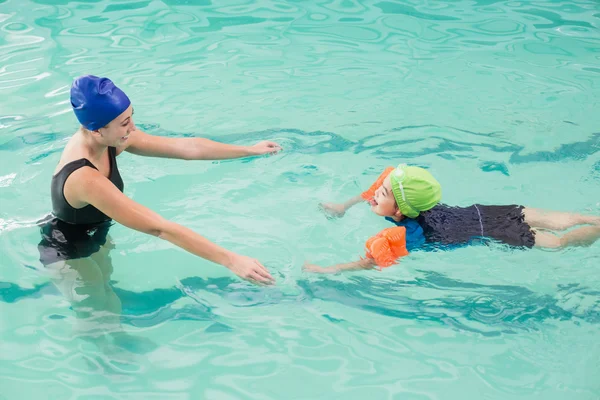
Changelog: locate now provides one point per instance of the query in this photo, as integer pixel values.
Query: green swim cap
(415, 190)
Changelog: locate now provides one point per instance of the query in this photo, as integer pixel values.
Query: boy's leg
(556, 220)
(579, 237)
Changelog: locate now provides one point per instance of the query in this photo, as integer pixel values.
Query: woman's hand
(265, 147)
(250, 269)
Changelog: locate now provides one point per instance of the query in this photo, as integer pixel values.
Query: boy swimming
(409, 197)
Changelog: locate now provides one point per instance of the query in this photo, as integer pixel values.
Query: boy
(409, 197)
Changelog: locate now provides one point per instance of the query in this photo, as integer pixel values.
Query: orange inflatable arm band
(387, 246)
(368, 194)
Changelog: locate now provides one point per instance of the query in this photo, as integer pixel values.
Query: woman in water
(87, 195)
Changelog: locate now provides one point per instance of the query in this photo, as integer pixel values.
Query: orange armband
(387, 246)
(368, 194)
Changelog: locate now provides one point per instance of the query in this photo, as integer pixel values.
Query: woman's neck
(96, 150)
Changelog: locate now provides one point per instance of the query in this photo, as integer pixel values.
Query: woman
(87, 194)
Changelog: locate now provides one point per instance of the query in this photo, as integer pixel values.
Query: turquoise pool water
(498, 98)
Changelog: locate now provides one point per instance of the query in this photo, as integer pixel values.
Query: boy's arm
(366, 263)
(338, 210)
(382, 250)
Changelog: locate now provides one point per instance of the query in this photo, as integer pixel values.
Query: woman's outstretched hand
(265, 147)
(251, 270)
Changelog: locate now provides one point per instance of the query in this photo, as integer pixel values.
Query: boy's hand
(362, 264)
(333, 210)
(316, 269)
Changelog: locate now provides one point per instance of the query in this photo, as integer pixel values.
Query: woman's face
(116, 133)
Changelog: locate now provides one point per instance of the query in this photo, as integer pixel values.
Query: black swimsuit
(446, 227)
(70, 233)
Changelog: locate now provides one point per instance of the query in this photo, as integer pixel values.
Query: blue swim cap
(97, 101)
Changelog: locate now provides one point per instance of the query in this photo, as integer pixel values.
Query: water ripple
(499, 93)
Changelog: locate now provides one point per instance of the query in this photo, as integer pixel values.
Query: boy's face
(384, 203)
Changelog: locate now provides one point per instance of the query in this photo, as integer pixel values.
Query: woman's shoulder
(72, 153)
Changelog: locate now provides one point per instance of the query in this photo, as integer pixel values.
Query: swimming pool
(497, 98)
